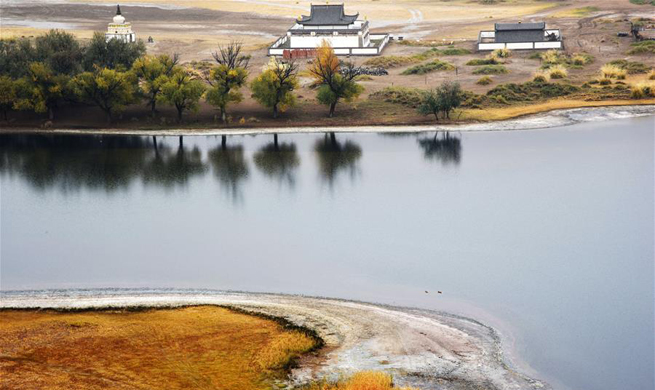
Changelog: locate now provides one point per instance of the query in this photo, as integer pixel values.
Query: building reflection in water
(444, 147)
(335, 157)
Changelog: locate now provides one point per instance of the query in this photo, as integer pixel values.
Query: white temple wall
(301, 41)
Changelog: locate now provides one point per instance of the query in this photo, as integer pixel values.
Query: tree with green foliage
(443, 99)
(227, 77)
(109, 89)
(112, 54)
(182, 91)
(42, 90)
(60, 51)
(7, 95)
(274, 86)
(15, 56)
(336, 79)
(153, 72)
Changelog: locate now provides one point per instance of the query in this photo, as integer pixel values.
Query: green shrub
(454, 51)
(485, 80)
(541, 77)
(482, 61)
(433, 66)
(531, 91)
(644, 47)
(501, 53)
(410, 97)
(631, 67)
(609, 71)
(491, 69)
(391, 61)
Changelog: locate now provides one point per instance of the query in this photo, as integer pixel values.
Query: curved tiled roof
(322, 15)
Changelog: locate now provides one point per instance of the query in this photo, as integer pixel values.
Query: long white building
(120, 29)
(347, 34)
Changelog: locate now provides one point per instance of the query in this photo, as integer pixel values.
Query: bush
(541, 77)
(612, 72)
(410, 97)
(645, 47)
(486, 80)
(530, 91)
(482, 61)
(433, 66)
(557, 72)
(491, 69)
(454, 51)
(501, 53)
(391, 61)
(632, 67)
(643, 90)
(651, 75)
(582, 59)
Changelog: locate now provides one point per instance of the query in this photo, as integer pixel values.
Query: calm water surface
(546, 235)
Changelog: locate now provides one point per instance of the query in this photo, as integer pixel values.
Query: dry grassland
(190, 348)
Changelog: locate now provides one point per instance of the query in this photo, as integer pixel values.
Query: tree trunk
(223, 115)
(436, 117)
(152, 107)
(108, 113)
(223, 141)
(333, 106)
(181, 141)
(275, 114)
(4, 114)
(51, 113)
(179, 114)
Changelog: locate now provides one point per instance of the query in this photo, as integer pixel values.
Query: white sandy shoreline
(427, 349)
(555, 118)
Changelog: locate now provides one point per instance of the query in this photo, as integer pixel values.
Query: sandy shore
(431, 350)
(556, 118)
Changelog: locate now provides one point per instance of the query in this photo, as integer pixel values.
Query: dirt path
(432, 350)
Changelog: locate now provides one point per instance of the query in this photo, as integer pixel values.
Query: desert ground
(195, 28)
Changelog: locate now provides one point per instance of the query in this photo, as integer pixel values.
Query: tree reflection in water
(71, 163)
(168, 168)
(334, 157)
(278, 161)
(446, 149)
(230, 168)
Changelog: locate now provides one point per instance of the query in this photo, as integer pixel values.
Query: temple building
(347, 34)
(120, 29)
(520, 36)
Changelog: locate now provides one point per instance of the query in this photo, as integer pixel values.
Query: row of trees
(53, 69)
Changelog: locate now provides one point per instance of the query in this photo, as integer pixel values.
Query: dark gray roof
(323, 15)
(520, 26)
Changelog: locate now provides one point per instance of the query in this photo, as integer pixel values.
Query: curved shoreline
(543, 120)
(423, 348)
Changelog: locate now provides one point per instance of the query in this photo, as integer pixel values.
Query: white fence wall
(336, 41)
(548, 45)
(520, 45)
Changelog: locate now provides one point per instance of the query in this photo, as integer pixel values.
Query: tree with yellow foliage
(227, 77)
(336, 79)
(274, 86)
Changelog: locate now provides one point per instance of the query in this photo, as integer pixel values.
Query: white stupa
(120, 29)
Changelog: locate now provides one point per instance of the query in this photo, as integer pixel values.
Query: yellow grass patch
(189, 348)
(361, 381)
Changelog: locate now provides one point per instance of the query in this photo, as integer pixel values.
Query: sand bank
(431, 350)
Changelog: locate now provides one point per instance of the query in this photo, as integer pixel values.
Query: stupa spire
(118, 9)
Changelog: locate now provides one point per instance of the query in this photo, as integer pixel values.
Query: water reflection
(334, 157)
(278, 161)
(230, 168)
(72, 163)
(168, 168)
(446, 149)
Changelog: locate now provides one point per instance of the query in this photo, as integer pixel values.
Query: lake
(546, 235)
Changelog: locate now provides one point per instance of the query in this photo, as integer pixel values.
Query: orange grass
(367, 380)
(200, 347)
